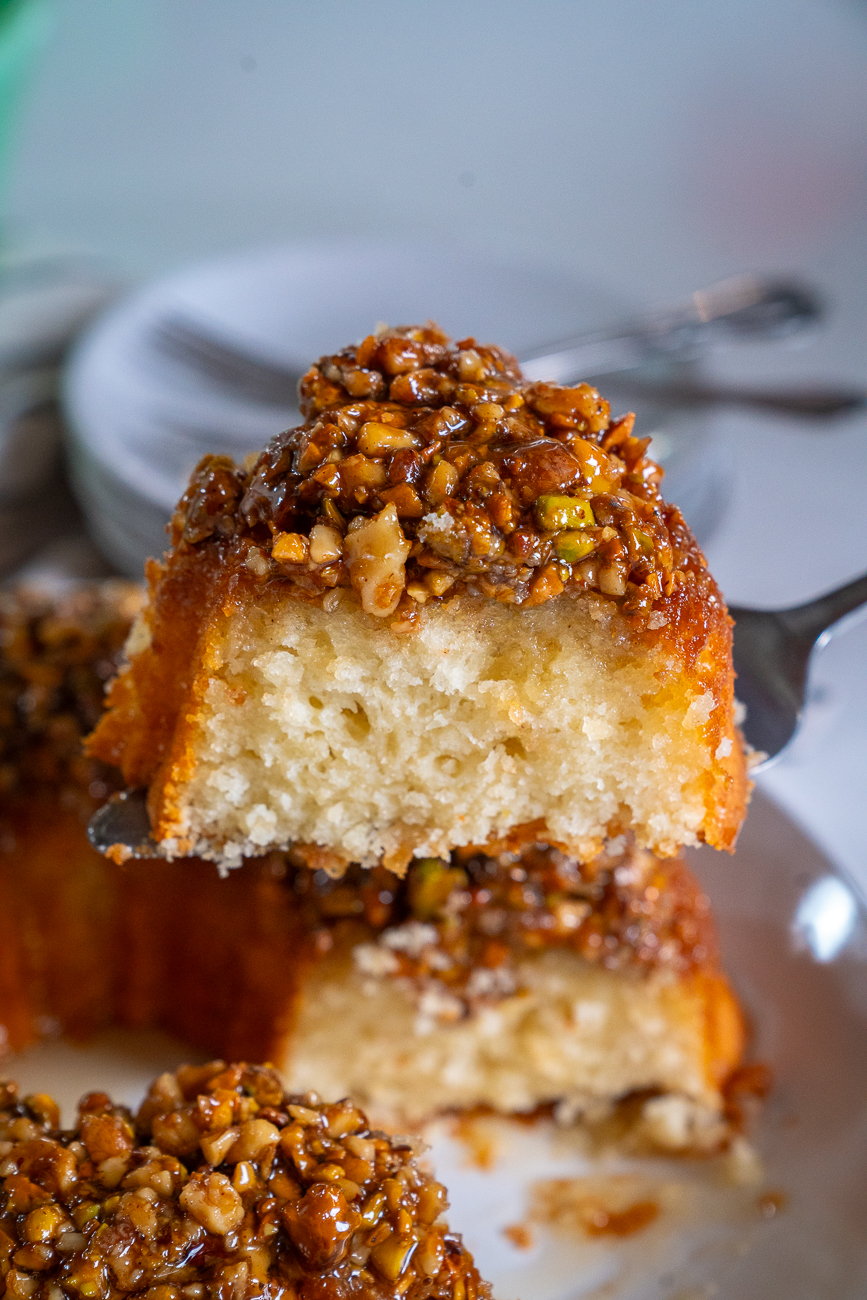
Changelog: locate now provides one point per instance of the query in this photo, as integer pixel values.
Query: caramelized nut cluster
(57, 656)
(426, 469)
(463, 925)
(223, 1187)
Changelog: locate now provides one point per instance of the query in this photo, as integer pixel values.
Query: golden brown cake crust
(424, 472)
(225, 1183)
(58, 932)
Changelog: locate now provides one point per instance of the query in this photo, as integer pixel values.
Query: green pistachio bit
(572, 547)
(431, 881)
(645, 541)
(553, 512)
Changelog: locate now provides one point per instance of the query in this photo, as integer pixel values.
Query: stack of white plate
(140, 418)
(44, 303)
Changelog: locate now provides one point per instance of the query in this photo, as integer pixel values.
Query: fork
(200, 350)
(773, 653)
(746, 307)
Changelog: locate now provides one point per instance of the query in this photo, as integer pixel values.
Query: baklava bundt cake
(501, 977)
(448, 682)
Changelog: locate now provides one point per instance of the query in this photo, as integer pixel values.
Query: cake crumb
(771, 1203)
(520, 1235)
(477, 1139)
(742, 1165)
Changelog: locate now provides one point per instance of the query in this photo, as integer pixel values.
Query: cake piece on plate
(448, 608)
(510, 976)
(221, 1184)
(500, 979)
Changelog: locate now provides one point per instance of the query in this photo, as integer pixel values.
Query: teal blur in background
(24, 28)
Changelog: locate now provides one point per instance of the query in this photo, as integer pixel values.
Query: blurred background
(646, 148)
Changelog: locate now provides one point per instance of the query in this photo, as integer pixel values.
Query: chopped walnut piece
(212, 1201)
(376, 553)
(326, 544)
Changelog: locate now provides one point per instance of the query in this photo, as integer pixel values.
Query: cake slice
(450, 607)
(510, 982)
(222, 1184)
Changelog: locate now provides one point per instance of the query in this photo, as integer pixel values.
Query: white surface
(796, 949)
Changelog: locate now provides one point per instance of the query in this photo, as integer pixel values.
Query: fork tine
(232, 368)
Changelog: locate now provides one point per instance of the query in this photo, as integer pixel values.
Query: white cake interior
(576, 1034)
(326, 727)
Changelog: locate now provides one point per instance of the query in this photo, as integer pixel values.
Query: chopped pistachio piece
(430, 884)
(553, 512)
(572, 547)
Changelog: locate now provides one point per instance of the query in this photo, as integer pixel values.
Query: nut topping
(277, 1198)
(514, 492)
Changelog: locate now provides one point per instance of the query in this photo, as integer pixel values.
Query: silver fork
(773, 654)
(200, 350)
(746, 308)
(774, 651)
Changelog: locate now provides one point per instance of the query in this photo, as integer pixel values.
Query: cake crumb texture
(575, 1034)
(314, 726)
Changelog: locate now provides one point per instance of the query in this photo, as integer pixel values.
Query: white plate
(795, 943)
